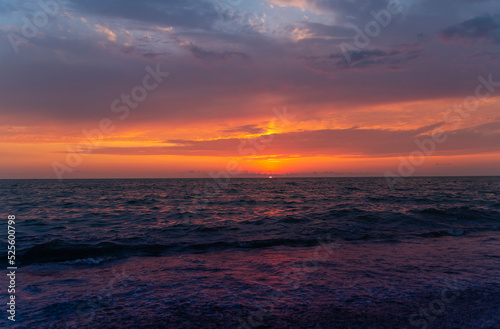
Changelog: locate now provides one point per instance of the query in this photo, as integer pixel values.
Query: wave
(438, 234)
(87, 261)
(73, 254)
(459, 213)
(67, 253)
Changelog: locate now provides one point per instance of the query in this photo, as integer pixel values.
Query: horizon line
(259, 177)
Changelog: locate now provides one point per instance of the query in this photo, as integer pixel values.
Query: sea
(253, 253)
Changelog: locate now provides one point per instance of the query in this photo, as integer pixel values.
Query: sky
(226, 88)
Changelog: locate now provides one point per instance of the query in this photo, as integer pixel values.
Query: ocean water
(256, 253)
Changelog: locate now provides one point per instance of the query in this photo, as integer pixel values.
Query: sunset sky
(335, 87)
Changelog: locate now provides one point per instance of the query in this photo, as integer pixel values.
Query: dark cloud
(488, 55)
(481, 28)
(186, 13)
(248, 129)
(366, 57)
(204, 54)
(351, 9)
(324, 30)
(394, 58)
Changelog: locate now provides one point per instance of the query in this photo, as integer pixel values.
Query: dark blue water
(256, 253)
